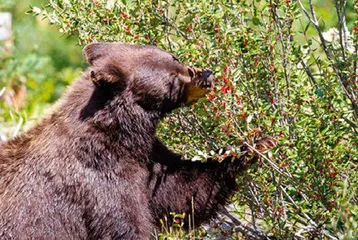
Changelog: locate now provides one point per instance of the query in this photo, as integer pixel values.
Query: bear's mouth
(200, 85)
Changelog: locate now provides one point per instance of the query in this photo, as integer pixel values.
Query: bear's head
(155, 79)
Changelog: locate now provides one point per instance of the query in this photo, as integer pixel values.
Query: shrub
(277, 73)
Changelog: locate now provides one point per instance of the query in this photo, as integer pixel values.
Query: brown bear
(94, 169)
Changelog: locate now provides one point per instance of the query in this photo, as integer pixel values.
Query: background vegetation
(36, 65)
(284, 68)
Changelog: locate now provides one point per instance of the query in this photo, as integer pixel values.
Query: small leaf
(319, 92)
(196, 158)
(256, 21)
(36, 10)
(249, 118)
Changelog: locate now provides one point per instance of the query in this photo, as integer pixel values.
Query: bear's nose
(207, 73)
(208, 78)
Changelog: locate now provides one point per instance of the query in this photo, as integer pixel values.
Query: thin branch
(276, 18)
(273, 165)
(342, 26)
(309, 73)
(167, 30)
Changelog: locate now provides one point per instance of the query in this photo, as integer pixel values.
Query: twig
(276, 18)
(309, 73)
(2, 91)
(18, 126)
(342, 27)
(167, 30)
(273, 165)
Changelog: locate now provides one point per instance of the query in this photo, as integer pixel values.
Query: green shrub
(278, 74)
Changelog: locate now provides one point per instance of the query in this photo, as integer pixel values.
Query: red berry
(225, 79)
(224, 89)
(355, 30)
(211, 96)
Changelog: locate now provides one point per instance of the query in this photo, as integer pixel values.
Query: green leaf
(256, 21)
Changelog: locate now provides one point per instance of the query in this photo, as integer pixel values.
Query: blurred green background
(36, 35)
(36, 65)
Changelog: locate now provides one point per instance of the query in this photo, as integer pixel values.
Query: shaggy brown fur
(94, 169)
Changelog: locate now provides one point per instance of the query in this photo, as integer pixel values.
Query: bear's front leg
(176, 184)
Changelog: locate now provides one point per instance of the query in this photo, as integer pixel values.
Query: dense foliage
(279, 72)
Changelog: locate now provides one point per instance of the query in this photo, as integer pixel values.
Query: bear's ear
(94, 51)
(108, 73)
(104, 67)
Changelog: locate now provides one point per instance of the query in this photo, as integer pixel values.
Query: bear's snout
(204, 80)
(201, 84)
(208, 79)
(207, 74)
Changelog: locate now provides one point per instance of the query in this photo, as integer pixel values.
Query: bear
(94, 168)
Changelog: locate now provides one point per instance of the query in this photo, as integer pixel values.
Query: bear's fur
(94, 169)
